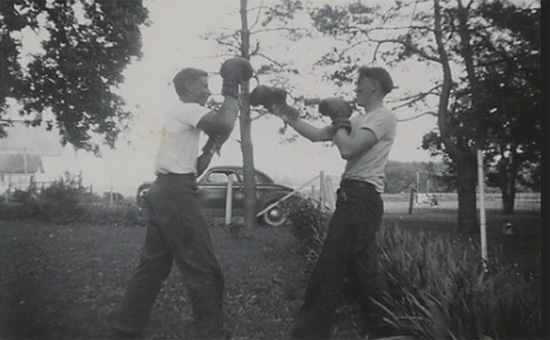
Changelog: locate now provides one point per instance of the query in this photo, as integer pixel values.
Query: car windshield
(259, 177)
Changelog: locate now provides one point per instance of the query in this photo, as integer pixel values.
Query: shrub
(309, 226)
(60, 202)
(440, 290)
(66, 200)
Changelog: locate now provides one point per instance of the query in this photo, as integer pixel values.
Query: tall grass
(438, 287)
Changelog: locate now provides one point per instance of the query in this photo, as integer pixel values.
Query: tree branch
(269, 59)
(431, 113)
(396, 28)
(406, 44)
(413, 99)
(289, 29)
(257, 16)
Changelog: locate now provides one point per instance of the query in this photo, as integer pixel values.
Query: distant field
(399, 203)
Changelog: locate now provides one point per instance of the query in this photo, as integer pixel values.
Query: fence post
(229, 201)
(322, 189)
(329, 191)
(482, 217)
(411, 200)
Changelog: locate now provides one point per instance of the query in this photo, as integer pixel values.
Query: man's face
(365, 89)
(199, 90)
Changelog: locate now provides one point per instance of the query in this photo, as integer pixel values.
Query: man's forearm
(311, 132)
(228, 113)
(203, 162)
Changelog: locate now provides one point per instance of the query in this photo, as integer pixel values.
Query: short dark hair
(185, 76)
(378, 73)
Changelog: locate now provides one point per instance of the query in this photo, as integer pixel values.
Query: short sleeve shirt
(369, 166)
(179, 140)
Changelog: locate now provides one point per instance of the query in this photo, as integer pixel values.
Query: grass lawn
(64, 281)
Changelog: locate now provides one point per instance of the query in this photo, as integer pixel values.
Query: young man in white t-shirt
(177, 230)
(350, 250)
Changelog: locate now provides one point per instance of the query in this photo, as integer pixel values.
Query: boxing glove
(262, 95)
(234, 71)
(339, 112)
(334, 107)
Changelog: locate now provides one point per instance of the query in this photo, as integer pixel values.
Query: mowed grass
(65, 281)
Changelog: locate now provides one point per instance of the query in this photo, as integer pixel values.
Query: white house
(25, 155)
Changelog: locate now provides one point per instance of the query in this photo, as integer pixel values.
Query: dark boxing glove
(281, 107)
(338, 110)
(234, 71)
(262, 95)
(274, 100)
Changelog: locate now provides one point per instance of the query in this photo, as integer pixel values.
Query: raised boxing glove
(281, 107)
(339, 112)
(262, 95)
(234, 71)
(334, 107)
(274, 100)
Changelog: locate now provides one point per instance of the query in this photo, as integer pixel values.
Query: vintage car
(212, 191)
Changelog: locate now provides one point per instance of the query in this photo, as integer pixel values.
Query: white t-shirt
(179, 140)
(370, 165)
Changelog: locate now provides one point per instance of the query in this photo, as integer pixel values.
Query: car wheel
(274, 217)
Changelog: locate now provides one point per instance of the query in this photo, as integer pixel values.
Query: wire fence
(324, 191)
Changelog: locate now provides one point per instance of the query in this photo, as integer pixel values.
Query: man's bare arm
(311, 132)
(354, 143)
(221, 121)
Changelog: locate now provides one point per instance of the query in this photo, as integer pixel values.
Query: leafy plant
(60, 201)
(310, 225)
(441, 290)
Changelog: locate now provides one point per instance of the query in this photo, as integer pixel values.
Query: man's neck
(373, 106)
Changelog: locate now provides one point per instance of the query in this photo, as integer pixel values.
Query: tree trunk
(508, 184)
(246, 139)
(508, 200)
(248, 166)
(466, 187)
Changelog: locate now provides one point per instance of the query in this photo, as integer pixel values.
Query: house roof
(14, 163)
(33, 140)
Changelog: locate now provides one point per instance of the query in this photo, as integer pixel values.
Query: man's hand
(234, 71)
(338, 110)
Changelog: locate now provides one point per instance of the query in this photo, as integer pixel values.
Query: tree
(511, 92)
(447, 36)
(238, 43)
(249, 182)
(86, 46)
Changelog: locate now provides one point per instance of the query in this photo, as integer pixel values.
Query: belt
(356, 183)
(179, 177)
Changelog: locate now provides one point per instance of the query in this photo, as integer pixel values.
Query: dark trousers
(350, 252)
(178, 232)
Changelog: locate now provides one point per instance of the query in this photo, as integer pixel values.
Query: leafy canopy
(86, 46)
